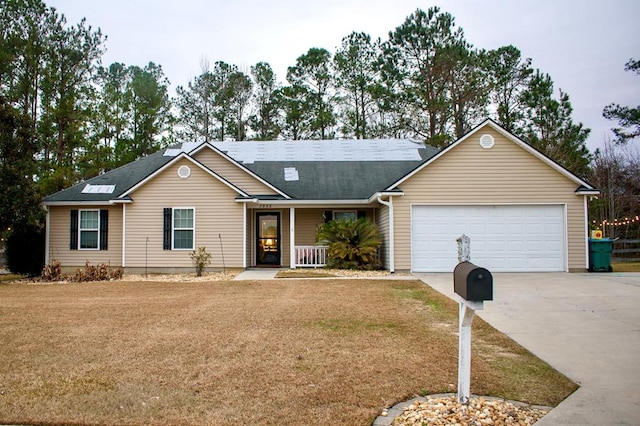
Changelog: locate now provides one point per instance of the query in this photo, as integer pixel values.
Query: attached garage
(504, 238)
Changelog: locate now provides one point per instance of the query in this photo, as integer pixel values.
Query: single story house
(259, 204)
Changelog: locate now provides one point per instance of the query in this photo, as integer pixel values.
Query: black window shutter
(73, 231)
(104, 229)
(362, 214)
(166, 240)
(328, 216)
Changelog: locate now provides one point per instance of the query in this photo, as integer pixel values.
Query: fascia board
(306, 202)
(77, 203)
(588, 192)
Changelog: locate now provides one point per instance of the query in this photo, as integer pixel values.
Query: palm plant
(351, 244)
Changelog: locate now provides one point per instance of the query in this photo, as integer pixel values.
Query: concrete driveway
(586, 326)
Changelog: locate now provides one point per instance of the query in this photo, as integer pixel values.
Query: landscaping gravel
(479, 411)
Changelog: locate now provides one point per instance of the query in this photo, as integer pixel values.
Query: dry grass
(334, 273)
(236, 352)
(10, 277)
(626, 267)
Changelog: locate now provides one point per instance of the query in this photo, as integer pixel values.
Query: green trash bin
(600, 254)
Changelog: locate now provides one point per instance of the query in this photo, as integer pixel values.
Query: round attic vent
(487, 141)
(184, 172)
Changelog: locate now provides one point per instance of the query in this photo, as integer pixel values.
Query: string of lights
(618, 222)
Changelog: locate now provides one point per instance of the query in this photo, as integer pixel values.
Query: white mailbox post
(472, 285)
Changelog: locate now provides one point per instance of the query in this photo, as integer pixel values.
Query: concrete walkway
(586, 326)
(257, 274)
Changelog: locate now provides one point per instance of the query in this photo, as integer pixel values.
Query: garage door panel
(509, 238)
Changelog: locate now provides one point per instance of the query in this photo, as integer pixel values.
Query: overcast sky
(582, 44)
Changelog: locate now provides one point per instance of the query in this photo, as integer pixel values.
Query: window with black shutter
(166, 234)
(104, 229)
(73, 231)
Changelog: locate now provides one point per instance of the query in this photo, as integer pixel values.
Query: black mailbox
(472, 282)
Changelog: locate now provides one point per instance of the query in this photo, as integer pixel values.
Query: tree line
(66, 117)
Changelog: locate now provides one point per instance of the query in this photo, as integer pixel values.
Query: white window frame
(174, 229)
(81, 230)
(337, 212)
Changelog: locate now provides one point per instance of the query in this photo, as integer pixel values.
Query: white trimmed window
(183, 228)
(89, 230)
(345, 215)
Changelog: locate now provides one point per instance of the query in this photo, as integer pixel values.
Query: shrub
(51, 272)
(100, 272)
(352, 245)
(201, 259)
(25, 250)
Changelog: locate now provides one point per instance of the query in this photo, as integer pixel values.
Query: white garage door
(513, 238)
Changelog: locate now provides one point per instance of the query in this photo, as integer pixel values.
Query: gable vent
(184, 172)
(291, 174)
(487, 141)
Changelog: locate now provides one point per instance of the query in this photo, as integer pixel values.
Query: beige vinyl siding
(505, 174)
(307, 222)
(59, 227)
(217, 217)
(382, 220)
(286, 238)
(232, 173)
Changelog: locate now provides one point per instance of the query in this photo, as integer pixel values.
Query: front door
(268, 239)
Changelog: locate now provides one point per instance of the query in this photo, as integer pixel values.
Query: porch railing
(311, 256)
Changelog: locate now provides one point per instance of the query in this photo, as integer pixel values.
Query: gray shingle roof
(308, 178)
(334, 180)
(123, 178)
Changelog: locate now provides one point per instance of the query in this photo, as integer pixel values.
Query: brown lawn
(626, 267)
(232, 352)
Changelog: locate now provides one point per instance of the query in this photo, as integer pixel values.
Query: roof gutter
(77, 203)
(303, 202)
(587, 192)
(377, 195)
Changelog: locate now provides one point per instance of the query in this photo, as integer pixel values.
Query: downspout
(389, 205)
(46, 236)
(586, 235)
(124, 235)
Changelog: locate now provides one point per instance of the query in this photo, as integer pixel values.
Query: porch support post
(244, 235)
(292, 237)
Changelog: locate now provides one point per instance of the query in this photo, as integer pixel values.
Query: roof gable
(192, 160)
(122, 178)
(587, 188)
(242, 177)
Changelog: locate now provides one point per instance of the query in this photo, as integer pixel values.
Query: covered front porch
(278, 236)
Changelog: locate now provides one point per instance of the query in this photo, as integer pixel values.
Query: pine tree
(627, 117)
(549, 127)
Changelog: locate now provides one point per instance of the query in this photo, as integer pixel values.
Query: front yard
(234, 352)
